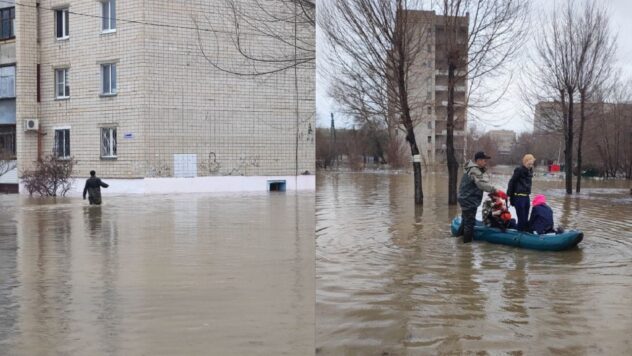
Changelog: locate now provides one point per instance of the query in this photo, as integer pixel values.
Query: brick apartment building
(124, 88)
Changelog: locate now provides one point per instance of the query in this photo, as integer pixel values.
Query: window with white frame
(7, 82)
(108, 142)
(108, 13)
(108, 79)
(62, 23)
(62, 86)
(62, 143)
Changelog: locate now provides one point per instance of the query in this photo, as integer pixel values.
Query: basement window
(276, 185)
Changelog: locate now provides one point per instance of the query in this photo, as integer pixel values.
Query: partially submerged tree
(373, 46)
(480, 39)
(50, 177)
(573, 58)
(553, 76)
(594, 63)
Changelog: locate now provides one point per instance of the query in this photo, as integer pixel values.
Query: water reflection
(157, 275)
(391, 280)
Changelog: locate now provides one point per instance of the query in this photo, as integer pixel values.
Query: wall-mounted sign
(128, 136)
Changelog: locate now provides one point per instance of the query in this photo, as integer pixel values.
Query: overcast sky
(510, 113)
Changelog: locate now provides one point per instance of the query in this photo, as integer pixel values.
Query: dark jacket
(541, 220)
(93, 188)
(520, 181)
(475, 180)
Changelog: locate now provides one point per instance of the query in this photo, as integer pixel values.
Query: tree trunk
(453, 165)
(414, 150)
(580, 140)
(568, 150)
(405, 107)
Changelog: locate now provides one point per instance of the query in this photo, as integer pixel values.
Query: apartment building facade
(8, 172)
(505, 141)
(430, 89)
(126, 88)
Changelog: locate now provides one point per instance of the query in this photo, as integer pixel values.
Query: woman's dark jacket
(520, 182)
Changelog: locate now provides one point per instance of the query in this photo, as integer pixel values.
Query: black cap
(481, 155)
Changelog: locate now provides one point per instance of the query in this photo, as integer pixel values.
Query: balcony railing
(445, 88)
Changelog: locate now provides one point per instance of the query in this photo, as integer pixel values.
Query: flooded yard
(392, 281)
(157, 275)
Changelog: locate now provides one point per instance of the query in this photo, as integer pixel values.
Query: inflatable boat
(546, 242)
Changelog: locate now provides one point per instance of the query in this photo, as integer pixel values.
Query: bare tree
(373, 46)
(553, 75)
(594, 63)
(50, 177)
(481, 37)
(573, 59)
(612, 130)
(7, 162)
(277, 23)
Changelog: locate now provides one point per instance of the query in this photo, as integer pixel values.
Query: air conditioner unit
(31, 125)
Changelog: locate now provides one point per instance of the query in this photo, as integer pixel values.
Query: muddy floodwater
(157, 275)
(392, 281)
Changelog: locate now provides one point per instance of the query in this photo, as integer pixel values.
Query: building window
(429, 110)
(7, 140)
(108, 79)
(7, 82)
(8, 23)
(108, 142)
(62, 23)
(429, 139)
(108, 13)
(430, 125)
(62, 143)
(62, 86)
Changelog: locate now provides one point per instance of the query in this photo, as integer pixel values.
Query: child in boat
(495, 212)
(541, 220)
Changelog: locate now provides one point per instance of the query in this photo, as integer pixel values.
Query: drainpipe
(39, 145)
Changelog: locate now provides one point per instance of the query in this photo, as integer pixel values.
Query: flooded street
(158, 275)
(392, 281)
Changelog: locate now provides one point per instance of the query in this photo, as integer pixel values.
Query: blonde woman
(519, 190)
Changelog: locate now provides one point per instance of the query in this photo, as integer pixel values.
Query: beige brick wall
(169, 97)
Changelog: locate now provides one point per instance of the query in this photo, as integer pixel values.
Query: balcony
(460, 89)
(444, 103)
(460, 73)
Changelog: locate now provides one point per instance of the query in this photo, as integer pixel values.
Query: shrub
(50, 177)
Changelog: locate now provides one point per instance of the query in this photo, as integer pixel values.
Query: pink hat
(538, 200)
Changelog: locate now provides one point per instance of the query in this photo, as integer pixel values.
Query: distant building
(505, 141)
(138, 102)
(547, 117)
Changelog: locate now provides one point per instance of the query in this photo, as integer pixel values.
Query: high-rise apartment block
(430, 87)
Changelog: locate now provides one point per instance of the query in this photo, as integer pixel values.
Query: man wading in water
(93, 188)
(474, 182)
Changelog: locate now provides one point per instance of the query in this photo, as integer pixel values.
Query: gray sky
(510, 113)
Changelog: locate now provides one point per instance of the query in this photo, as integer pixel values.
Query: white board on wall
(185, 165)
